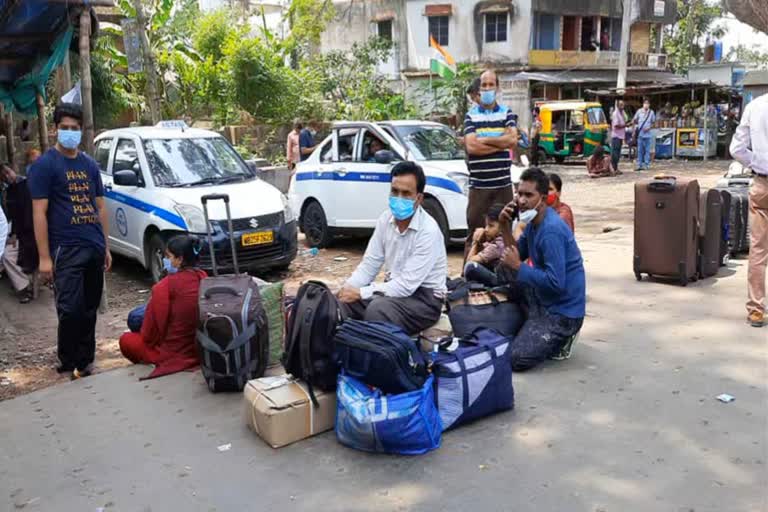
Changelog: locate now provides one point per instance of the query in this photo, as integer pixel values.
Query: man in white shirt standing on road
(750, 147)
(408, 243)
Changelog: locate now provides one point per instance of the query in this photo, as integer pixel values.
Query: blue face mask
(169, 267)
(69, 139)
(401, 207)
(488, 97)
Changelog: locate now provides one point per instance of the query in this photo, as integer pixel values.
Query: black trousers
(474, 271)
(414, 314)
(616, 144)
(78, 278)
(544, 333)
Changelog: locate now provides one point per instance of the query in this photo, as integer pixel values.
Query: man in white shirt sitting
(409, 245)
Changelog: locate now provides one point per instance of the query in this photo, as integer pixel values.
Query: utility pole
(150, 68)
(626, 21)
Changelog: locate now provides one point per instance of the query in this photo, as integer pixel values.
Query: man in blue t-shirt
(306, 143)
(554, 288)
(71, 228)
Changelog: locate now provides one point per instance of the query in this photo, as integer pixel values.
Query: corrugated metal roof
(756, 77)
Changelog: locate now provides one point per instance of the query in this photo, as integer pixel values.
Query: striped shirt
(489, 171)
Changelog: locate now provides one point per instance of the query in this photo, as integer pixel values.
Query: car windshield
(189, 162)
(430, 142)
(596, 116)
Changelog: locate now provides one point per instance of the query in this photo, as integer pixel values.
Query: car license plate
(258, 238)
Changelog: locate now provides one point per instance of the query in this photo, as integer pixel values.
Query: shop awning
(598, 76)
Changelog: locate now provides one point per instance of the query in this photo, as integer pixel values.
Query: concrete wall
(466, 35)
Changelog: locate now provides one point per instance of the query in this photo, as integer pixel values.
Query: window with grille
(495, 27)
(438, 28)
(385, 30)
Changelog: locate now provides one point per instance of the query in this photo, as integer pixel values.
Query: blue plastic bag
(404, 424)
(136, 318)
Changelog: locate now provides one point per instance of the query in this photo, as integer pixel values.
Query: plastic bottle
(314, 251)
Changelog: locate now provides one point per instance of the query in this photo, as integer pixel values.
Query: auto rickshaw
(571, 128)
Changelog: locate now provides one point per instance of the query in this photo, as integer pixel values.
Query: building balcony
(599, 59)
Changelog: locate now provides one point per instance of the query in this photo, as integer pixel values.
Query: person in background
(490, 129)
(306, 142)
(168, 330)
(599, 164)
(25, 133)
(292, 155)
(618, 132)
(487, 248)
(533, 150)
(31, 157)
(554, 202)
(71, 228)
(20, 257)
(553, 288)
(408, 243)
(750, 147)
(643, 123)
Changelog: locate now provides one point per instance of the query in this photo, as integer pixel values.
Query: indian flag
(441, 62)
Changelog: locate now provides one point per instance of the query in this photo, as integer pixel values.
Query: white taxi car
(154, 179)
(343, 187)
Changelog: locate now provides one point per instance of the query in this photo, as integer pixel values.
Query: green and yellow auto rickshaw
(571, 128)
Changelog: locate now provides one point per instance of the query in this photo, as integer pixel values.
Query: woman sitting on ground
(167, 336)
(600, 165)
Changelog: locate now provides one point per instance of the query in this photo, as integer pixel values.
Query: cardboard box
(280, 411)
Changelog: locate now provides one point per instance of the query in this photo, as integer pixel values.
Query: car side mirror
(126, 178)
(384, 156)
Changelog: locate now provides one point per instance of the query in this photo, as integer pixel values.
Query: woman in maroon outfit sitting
(167, 337)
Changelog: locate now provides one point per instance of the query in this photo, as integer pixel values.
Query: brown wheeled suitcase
(666, 228)
(233, 334)
(710, 232)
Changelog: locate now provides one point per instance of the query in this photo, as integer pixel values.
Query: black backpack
(311, 328)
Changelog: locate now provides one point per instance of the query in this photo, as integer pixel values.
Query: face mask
(69, 139)
(487, 97)
(528, 215)
(551, 198)
(169, 267)
(401, 207)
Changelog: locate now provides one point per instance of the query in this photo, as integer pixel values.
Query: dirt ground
(28, 332)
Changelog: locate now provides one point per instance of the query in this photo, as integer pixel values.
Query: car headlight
(462, 180)
(287, 210)
(193, 217)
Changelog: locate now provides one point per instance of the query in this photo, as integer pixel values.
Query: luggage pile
(683, 234)
(382, 390)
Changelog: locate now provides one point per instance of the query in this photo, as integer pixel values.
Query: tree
(307, 20)
(741, 53)
(449, 95)
(682, 40)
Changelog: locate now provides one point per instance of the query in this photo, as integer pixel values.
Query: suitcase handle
(215, 290)
(662, 184)
(225, 198)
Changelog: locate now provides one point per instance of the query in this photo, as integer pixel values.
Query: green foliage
(746, 55)
(683, 40)
(307, 20)
(449, 96)
(212, 32)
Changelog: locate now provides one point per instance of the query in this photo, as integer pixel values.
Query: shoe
(79, 374)
(756, 319)
(567, 350)
(25, 295)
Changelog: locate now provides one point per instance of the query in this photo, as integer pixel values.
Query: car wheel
(542, 156)
(433, 208)
(316, 226)
(155, 255)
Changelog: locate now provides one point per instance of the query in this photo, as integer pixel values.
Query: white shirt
(411, 259)
(3, 232)
(750, 140)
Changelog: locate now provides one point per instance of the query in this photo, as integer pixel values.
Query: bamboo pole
(85, 80)
(41, 126)
(10, 143)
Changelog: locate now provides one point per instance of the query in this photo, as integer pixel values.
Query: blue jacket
(557, 276)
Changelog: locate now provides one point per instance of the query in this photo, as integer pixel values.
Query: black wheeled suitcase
(233, 334)
(666, 228)
(738, 218)
(710, 232)
(725, 237)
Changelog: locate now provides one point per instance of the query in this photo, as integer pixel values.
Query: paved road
(630, 423)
